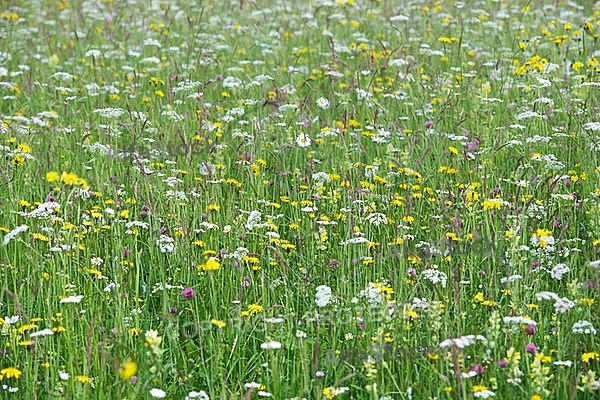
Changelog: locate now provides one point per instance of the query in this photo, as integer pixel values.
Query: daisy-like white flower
(303, 140)
(322, 103)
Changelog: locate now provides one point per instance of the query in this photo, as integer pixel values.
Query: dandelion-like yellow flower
(128, 369)
(10, 372)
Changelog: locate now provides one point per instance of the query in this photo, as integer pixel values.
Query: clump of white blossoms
(435, 276)
(166, 244)
(583, 326)
(323, 296)
(322, 103)
(558, 271)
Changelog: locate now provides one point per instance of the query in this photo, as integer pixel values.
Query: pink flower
(530, 348)
(188, 293)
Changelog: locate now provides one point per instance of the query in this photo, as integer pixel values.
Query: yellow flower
(586, 357)
(411, 314)
(254, 309)
(492, 204)
(210, 265)
(128, 369)
(218, 324)
(479, 388)
(10, 372)
(83, 379)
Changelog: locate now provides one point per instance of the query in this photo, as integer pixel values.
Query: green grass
(353, 199)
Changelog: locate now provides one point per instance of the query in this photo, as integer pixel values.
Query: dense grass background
(353, 199)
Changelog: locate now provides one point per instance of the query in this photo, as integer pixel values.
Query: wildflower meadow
(317, 199)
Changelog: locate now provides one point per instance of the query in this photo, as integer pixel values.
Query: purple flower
(412, 272)
(320, 374)
(188, 293)
(478, 369)
(173, 310)
(530, 348)
(502, 362)
(334, 262)
(473, 146)
(133, 379)
(530, 329)
(246, 281)
(50, 199)
(126, 253)
(428, 124)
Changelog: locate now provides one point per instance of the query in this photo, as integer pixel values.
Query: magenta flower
(502, 362)
(188, 293)
(530, 329)
(530, 348)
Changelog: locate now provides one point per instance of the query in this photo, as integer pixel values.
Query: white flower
(323, 296)
(43, 211)
(321, 178)
(376, 219)
(177, 195)
(435, 276)
(71, 299)
(253, 219)
(558, 271)
(583, 326)
(511, 279)
(96, 261)
(109, 112)
(322, 103)
(519, 320)
(300, 334)
(270, 346)
(11, 320)
(166, 244)
(563, 305)
(592, 126)
(566, 363)
(252, 385)
(546, 296)
(201, 395)
(43, 332)
(303, 140)
(63, 375)
(12, 234)
(462, 342)
(484, 394)
(355, 240)
(158, 393)
(232, 82)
